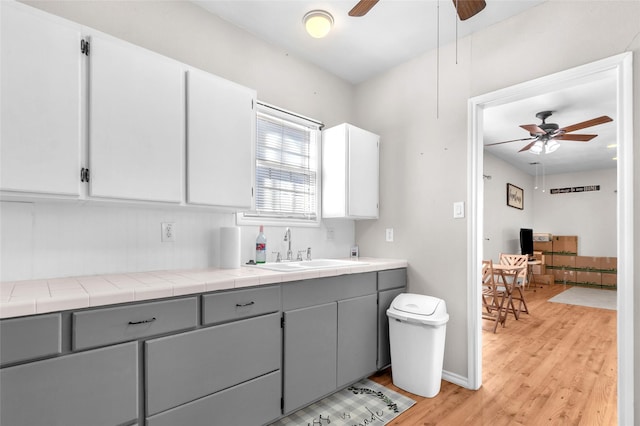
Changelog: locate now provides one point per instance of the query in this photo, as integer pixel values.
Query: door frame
(621, 66)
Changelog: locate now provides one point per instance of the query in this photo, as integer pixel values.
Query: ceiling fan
(545, 135)
(465, 8)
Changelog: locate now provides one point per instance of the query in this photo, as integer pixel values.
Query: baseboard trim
(456, 379)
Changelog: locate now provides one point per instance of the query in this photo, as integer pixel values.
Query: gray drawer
(191, 365)
(98, 387)
(301, 294)
(106, 326)
(238, 304)
(28, 338)
(255, 402)
(394, 278)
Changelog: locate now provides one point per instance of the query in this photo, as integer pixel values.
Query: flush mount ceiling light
(318, 23)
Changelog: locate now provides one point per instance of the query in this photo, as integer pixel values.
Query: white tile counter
(19, 298)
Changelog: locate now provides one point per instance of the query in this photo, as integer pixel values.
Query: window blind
(286, 167)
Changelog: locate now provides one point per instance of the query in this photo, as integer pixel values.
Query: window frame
(252, 217)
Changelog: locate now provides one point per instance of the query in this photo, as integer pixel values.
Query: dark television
(526, 241)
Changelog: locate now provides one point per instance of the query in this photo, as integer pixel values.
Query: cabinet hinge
(84, 47)
(84, 175)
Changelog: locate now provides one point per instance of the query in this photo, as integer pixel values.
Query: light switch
(389, 235)
(458, 209)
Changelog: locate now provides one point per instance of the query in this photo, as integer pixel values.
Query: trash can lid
(416, 304)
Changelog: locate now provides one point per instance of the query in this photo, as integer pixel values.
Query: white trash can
(417, 327)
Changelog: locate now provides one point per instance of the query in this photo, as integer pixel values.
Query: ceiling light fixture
(551, 146)
(536, 148)
(318, 23)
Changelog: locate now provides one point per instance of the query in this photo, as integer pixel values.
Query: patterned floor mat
(363, 403)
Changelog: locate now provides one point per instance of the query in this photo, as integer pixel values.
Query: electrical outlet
(389, 235)
(330, 233)
(168, 232)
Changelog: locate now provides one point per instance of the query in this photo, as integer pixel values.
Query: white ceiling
(358, 48)
(395, 31)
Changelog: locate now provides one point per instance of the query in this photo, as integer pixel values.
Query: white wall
(589, 215)
(45, 240)
(423, 139)
(502, 223)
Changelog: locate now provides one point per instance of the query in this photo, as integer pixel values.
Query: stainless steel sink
(308, 265)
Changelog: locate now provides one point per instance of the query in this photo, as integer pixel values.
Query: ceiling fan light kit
(546, 135)
(318, 23)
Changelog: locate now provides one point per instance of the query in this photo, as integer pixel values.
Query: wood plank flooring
(554, 366)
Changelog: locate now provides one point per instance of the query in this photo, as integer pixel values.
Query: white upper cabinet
(40, 149)
(350, 164)
(111, 121)
(136, 123)
(221, 121)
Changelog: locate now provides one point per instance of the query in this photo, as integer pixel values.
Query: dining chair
(520, 281)
(492, 298)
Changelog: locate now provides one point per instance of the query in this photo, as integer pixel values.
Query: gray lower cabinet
(357, 338)
(186, 367)
(329, 335)
(97, 388)
(310, 347)
(390, 284)
(239, 357)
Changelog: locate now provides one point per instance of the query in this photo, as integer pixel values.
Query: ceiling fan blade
(527, 147)
(514, 140)
(468, 8)
(533, 129)
(575, 137)
(588, 123)
(362, 7)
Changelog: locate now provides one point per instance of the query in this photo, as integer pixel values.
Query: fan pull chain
(438, 61)
(456, 18)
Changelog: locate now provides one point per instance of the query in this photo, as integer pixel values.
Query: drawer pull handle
(143, 321)
(240, 305)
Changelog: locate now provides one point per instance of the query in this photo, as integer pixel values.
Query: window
(286, 169)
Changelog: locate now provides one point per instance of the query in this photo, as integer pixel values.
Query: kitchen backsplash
(58, 239)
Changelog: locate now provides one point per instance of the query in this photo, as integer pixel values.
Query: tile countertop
(19, 298)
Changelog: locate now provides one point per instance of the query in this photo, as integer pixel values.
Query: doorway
(621, 65)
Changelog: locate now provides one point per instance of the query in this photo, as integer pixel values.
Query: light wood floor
(555, 366)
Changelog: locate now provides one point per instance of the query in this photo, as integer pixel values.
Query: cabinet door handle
(143, 321)
(240, 305)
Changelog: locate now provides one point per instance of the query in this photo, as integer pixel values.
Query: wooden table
(505, 272)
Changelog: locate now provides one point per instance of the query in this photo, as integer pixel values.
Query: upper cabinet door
(363, 173)
(350, 167)
(40, 106)
(221, 121)
(136, 123)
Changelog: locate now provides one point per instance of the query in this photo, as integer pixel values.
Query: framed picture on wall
(515, 196)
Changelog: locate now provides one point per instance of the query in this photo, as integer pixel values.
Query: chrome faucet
(287, 237)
